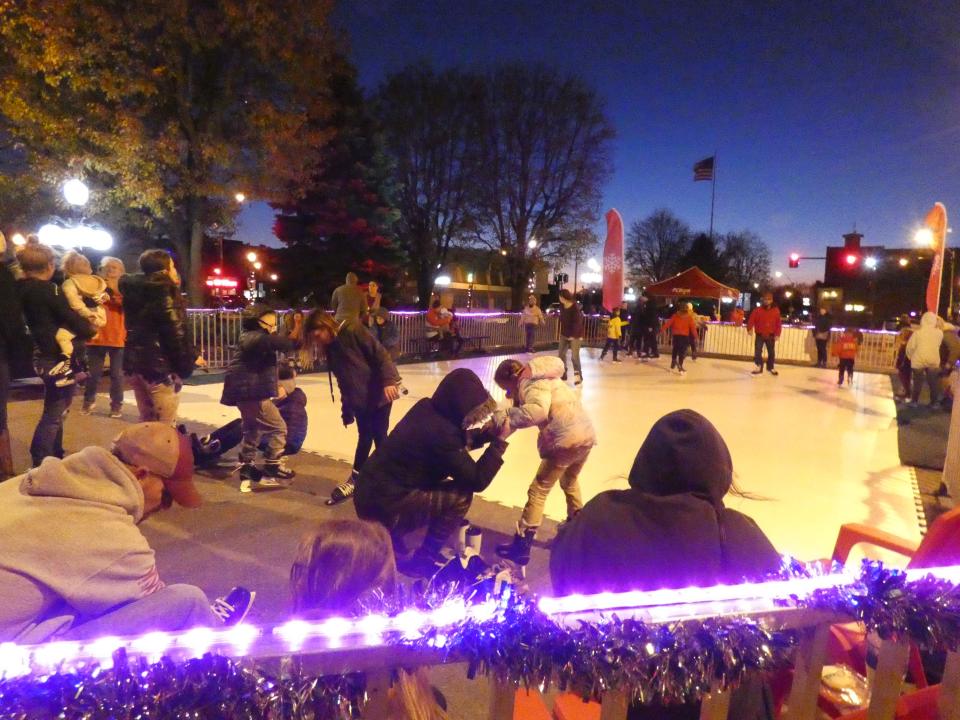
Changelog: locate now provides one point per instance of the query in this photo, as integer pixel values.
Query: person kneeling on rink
(291, 401)
(423, 474)
(74, 565)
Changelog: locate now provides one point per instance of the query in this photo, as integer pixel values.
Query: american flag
(703, 170)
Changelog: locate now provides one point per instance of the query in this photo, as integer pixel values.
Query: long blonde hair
(336, 566)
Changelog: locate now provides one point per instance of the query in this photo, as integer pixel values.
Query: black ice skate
(344, 491)
(278, 469)
(422, 564)
(518, 550)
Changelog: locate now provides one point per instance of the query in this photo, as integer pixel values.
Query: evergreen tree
(344, 221)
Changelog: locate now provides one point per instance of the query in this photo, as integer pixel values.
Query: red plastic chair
(529, 705)
(919, 705)
(569, 706)
(939, 547)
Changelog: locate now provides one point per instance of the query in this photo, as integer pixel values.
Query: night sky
(822, 114)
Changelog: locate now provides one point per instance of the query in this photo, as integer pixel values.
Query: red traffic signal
(794, 260)
(851, 259)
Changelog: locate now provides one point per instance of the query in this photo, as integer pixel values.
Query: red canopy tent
(692, 283)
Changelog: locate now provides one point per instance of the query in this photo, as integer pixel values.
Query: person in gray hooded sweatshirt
(923, 351)
(73, 563)
(670, 529)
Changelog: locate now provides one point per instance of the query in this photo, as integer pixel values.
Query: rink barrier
(215, 332)
(336, 646)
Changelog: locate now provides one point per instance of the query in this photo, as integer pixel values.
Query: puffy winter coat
(923, 347)
(426, 451)
(158, 340)
(545, 401)
(846, 347)
(293, 410)
(682, 324)
(362, 366)
(252, 373)
(532, 315)
(85, 294)
(765, 321)
(46, 310)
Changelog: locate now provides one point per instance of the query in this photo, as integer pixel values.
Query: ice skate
(249, 476)
(758, 371)
(422, 564)
(344, 491)
(518, 549)
(278, 469)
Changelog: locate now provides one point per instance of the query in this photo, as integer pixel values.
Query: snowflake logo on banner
(612, 263)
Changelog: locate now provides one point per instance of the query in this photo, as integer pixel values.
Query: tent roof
(693, 283)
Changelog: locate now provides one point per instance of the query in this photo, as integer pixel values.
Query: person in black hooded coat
(423, 475)
(669, 530)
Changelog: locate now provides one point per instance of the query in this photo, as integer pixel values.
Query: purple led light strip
(336, 633)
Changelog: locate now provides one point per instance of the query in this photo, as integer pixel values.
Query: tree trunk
(424, 286)
(194, 279)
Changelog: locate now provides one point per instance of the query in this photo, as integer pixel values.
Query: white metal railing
(216, 331)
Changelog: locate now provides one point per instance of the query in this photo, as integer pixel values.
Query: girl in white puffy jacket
(542, 399)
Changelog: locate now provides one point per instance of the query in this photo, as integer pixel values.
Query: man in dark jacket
(251, 383)
(821, 335)
(12, 339)
(46, 311)
(571, 333)
(669, 530)
(423, 474)
(158, 354)
(368, 380)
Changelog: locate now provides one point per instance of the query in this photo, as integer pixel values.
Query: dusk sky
(822, 114)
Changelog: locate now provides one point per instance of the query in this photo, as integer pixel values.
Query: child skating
(543, 400)
(683, 326)
(614, 334)
(845, 349)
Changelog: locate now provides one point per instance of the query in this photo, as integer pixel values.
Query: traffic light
(851, 259)
(794, 260)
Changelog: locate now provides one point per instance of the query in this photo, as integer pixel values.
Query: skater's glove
(347, 418)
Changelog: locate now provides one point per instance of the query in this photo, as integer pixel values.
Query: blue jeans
(761, 341)
(574, 345)
(95, 358)
(529, 334)
(173, 608)
(48, 437)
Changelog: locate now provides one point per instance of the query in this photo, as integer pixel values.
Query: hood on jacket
(144, 286)
(90, 285)
(462, 399)
(546, 367)
(92, 475)
(929, 320)
(683, 453)
(250, 318)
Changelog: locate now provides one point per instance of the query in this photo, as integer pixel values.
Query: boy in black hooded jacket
(423, 474)
(251, 383)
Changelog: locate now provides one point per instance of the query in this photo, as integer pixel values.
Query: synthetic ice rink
(819, 455)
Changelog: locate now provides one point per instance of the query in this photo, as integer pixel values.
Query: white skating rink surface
(820, 455)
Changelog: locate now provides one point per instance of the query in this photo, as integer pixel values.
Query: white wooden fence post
(503, 694)
(888, 679)
(948, 704)
(808, 667)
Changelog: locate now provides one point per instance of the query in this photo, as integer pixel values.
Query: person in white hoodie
(74, 565)
(542, 399)
(923, 351)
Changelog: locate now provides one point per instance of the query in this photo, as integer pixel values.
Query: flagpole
(713, 191)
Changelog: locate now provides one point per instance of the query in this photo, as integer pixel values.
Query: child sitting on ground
(344, 568)
(250, 383)
(85, 293)
(846, 349)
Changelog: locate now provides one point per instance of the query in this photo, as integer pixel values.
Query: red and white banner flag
(613, 262)
(936, 223)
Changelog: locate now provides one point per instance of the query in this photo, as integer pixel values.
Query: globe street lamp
(924, 237)
(240, 197)
(251, 257)
(76, 192)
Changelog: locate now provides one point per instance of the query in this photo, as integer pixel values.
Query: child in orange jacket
(846, 350)
(683, 325)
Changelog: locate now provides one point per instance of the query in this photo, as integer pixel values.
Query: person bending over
(251, 384)
(74, 564)
(368, 380)
(670, 529)
(566, 436)
(423, 475)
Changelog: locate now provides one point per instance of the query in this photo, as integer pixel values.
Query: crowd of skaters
(421, 476)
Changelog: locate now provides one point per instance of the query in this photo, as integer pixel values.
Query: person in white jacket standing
(542, 399)
(923, 351)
